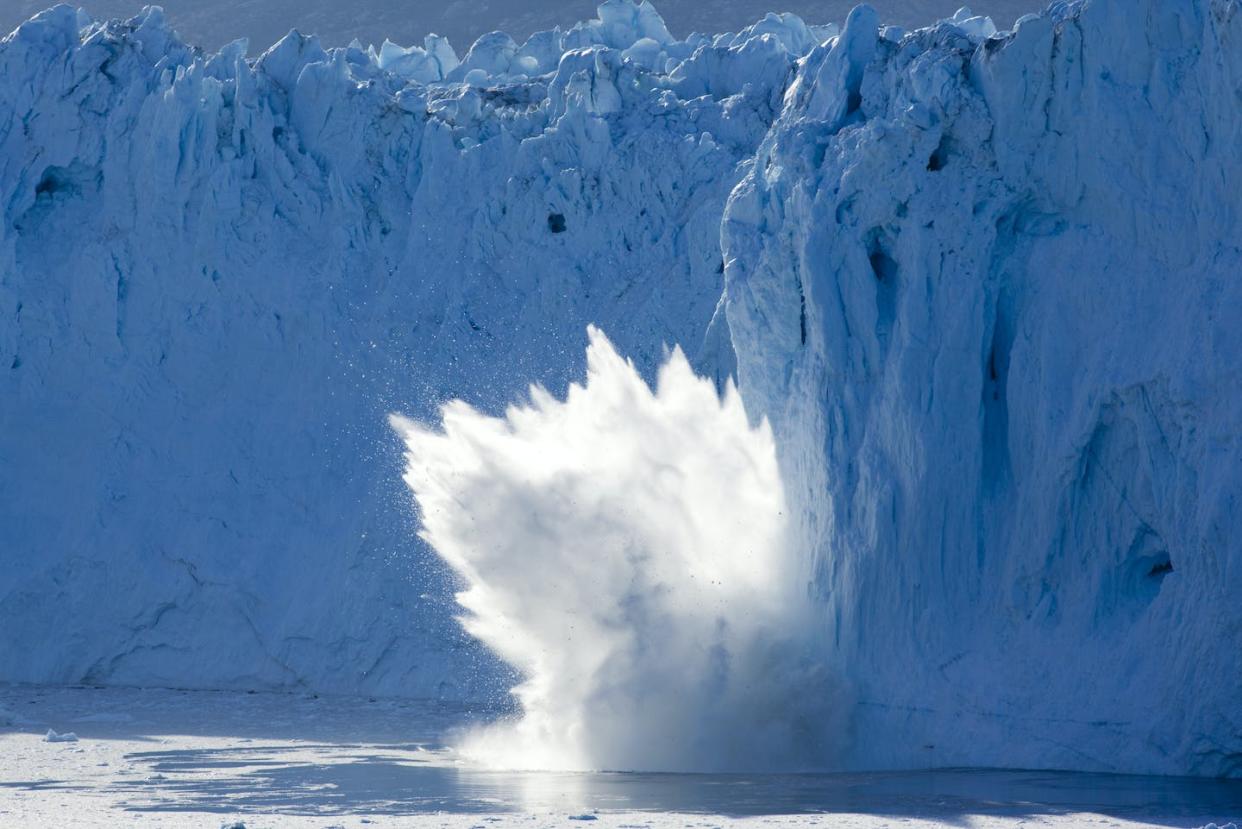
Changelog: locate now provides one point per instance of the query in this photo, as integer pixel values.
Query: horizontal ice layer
(217, 277)
(988, 294)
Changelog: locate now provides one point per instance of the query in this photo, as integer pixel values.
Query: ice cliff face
(987, 290)
(984, 285)
(218, 277)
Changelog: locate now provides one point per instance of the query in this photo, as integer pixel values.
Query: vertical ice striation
(986, 289)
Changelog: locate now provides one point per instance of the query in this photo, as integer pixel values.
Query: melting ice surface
(625, 549)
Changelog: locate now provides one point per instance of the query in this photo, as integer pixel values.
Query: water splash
(627, 551)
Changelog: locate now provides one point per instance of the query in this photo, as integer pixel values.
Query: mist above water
(625, 549)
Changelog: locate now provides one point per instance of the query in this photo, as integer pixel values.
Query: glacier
(986, 292)
(218, 278)
(982, 284)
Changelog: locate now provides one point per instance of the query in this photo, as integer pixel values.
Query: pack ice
(982, 284)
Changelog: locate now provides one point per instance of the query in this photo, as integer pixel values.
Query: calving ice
(975, 498)
(627, 550)
(1010, 495)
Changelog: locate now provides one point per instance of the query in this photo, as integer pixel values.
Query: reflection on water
(903, 793)
(217, 752)
(341, 779)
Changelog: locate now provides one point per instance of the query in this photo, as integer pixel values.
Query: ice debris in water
(53, 737)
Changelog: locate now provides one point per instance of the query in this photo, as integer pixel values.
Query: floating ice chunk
(53, 737)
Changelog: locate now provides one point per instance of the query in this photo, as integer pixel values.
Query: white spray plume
(626, 551)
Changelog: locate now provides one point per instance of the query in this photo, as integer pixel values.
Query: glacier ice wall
(217, 277)
(984, 286)
(987, 290)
